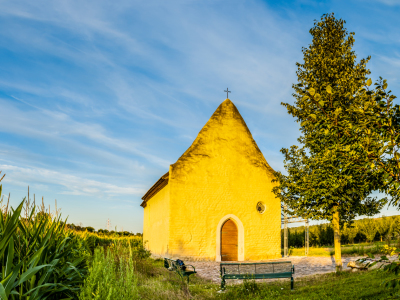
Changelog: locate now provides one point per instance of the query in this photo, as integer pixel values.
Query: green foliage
(111, 276)
(321, 178)
(350, 231)
(328, 178)
(368, 228)
(321, 235)
(94, 240)
(376, 119)
(104, 232)
(90, 229)
(40, 259)
(383, 226)
(250, 287)
(359, 250)
(113, 273)
(394, 267)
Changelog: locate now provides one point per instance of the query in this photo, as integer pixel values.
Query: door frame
(240, 228)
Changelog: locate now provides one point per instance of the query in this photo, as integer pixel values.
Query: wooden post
(285, 234)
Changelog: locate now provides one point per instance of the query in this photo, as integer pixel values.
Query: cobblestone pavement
(303, 266)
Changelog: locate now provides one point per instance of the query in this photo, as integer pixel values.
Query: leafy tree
(351, 230)
(90, 229)
(383, 226)
(394, 229)
(369, 228)
(376, 120)
(322, 182)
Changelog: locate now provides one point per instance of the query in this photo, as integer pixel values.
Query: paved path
(303, 266)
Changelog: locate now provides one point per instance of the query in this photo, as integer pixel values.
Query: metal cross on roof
(227, 91)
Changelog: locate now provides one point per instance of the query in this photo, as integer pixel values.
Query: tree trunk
(336, 231)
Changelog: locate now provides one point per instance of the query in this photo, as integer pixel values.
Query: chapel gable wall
(212, 190)
(223, 172)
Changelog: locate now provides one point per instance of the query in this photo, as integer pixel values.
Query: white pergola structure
(285, 220)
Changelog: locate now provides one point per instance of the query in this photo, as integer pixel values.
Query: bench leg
(222, 283)
(291, 283)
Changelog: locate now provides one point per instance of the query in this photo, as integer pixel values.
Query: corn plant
(40, 258)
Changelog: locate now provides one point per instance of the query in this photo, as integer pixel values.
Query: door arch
(229, 241)
(240, 236)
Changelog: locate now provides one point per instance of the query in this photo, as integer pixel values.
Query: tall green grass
(114, 270)
(110, 277)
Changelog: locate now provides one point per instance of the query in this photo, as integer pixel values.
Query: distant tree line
(364, 230)
(45, 215)
(103, 231)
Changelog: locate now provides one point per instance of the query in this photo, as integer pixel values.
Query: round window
(261, 207)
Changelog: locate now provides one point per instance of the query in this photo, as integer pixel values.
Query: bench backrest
(256, 268)
(170, 263)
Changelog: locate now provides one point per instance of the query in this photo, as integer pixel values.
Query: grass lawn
(351, 250)
(155, 282)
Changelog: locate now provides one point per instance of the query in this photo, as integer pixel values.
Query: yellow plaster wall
(156, 222)
(222, 173)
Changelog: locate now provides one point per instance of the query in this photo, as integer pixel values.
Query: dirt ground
(303, 266)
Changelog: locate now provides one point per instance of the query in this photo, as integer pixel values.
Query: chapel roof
(222, 126)
(226, 113)
(162, 182)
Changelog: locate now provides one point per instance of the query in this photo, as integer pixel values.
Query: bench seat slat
(258, 276)
(259, 263)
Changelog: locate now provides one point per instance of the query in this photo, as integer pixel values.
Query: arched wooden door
(229, 241)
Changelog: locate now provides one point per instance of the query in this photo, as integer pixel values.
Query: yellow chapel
(216, 201)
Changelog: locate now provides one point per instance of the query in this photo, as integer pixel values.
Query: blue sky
(98, 98)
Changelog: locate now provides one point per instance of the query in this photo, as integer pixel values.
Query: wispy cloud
(390, 2)
(68, 184)
(107, 95)
(57, 126)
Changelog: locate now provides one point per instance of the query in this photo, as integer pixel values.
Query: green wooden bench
(172, 265)
(264, 270)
